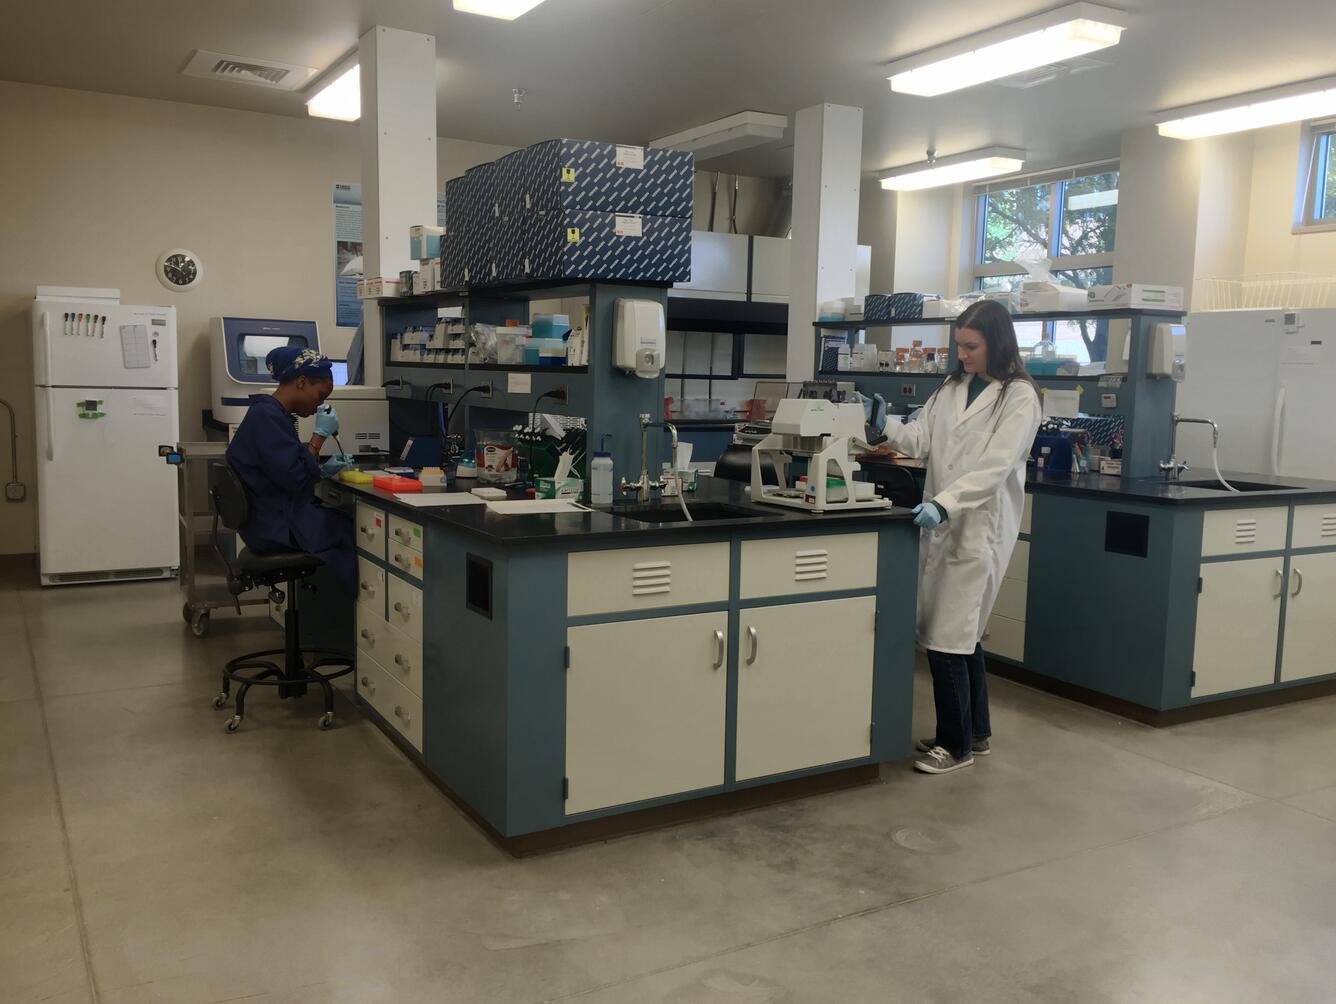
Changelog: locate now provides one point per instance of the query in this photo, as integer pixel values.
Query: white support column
(398, 72)
(827, 171)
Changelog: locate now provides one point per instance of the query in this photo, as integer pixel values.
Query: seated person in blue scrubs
(280, 472)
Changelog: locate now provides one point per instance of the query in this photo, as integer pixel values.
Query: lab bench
(564, 677)
(1167, 602)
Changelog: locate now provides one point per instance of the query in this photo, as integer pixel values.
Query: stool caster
(221, 700)
(233, 723)
(327, 720)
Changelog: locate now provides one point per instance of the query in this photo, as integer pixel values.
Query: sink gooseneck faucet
(644, 485)
(1173, 467)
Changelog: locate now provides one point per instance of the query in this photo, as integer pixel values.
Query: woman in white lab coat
(976, 432)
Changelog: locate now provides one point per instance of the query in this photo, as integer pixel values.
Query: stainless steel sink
(702, 512)
(1242, 486)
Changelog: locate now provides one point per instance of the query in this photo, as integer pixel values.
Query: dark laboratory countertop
(540, 528)
(1162, 492)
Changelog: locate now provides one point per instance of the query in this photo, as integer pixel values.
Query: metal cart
(203, 578)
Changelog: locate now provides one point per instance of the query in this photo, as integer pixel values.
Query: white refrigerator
(106, 397)
(1268, 377)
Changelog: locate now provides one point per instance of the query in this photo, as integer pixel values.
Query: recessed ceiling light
(506, 10)
(954, 170)
(1064, 33)
(1312, 99)
(338, 95)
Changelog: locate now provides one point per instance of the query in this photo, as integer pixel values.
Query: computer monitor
(340, 372)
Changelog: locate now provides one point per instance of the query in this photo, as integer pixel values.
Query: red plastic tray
(397, 484)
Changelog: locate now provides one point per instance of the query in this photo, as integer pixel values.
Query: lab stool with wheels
(289, 570)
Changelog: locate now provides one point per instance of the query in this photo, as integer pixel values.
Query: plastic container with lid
(600, 476)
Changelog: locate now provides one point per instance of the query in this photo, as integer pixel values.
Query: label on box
(629, 226)
(1111, 380)
(572, 235)
(567, 176)
(519, 383)
(632, 157)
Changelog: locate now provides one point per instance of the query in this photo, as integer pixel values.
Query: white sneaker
(980, 747)
(939, 761)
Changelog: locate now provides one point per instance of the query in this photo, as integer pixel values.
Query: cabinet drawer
(373, 635)
(645, 578)
(371, 585)
(370, 530)
(1005, 637)
(403, 710)
(406, 559)
(405, 610)
(1315, 525)
(405, 660)
(1027, 513)
(404, 532)
(1011, 599)
(1019, 568)
(795, 566)
(1244, 531)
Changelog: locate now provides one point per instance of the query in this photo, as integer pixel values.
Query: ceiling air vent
(1052, 71)
(245, 70)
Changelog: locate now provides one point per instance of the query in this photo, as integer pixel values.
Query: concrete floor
(145, 856)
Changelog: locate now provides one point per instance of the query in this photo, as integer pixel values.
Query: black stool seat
(277, 563)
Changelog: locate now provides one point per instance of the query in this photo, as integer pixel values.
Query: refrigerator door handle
(1277, 430)
(46, 344)
(50, 425)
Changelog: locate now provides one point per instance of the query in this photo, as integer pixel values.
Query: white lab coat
(976, 472)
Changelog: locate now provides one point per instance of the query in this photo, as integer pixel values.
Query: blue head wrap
(290, 362)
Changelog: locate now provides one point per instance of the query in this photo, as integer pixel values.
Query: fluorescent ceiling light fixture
(972, 166)
(338, 93)
(506, 10)
(1092, 200)
(1312, 99)
(1009, 49)
(727, 135)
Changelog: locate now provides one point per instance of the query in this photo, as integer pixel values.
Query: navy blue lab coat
(280, 474)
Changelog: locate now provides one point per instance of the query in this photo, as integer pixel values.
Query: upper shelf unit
(1118, 313)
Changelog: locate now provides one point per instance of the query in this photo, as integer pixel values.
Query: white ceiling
(631, 70)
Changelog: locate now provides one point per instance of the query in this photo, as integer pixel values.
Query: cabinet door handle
(399, 661)
(718, 649)
(366, 682)
(366, 587)
(1299, 583)
(1280, 584)
(754, 642)
(399, 713)
(367, 635)
(399, 609)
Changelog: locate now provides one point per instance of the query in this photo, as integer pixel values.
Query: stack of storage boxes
(571, 209)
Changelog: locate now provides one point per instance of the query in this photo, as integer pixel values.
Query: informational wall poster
(347, 254)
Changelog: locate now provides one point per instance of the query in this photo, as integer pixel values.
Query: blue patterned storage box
(588, 245)
(590, 175)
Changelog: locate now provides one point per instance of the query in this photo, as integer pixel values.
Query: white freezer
(107, 500)
(93, 343)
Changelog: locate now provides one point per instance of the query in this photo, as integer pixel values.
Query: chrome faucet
(1173, 467)
(643, 486)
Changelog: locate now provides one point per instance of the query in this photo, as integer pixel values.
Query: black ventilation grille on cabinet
(1127, 533)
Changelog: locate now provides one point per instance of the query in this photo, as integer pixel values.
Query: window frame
(1311, 175)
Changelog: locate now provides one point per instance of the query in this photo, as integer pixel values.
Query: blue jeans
(960, 692)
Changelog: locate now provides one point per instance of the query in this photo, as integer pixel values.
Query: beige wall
(1271, 245)
(97, 186)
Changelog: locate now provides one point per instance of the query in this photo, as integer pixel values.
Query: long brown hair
(991, 319)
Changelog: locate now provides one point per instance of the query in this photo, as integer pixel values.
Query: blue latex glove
(326, 421)
(331, 467)
(874, 413)
(927, 516)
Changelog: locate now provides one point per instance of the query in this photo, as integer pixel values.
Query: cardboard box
(378, 289)
(1135, 295)
(589, 245)
(424, 242)
(551, 488)
(1039, 297)
(571, 174)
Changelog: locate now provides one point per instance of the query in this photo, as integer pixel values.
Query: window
(1070, 218)
(1317, 194)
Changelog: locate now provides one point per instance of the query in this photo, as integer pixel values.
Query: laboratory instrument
(106, 396)
(238, 347)
(829, 435)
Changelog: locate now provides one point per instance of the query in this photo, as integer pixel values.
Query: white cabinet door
(804, 685)
(645, 708)
(1238, 625)
(1310, 618)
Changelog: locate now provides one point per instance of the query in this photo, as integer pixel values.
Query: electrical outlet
(908, 389)
(16, 491)
(561, 394)
(485, 389)
(1108, 400)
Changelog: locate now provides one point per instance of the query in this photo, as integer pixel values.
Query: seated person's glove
(929, 515)
(331, 467)
(326, 421)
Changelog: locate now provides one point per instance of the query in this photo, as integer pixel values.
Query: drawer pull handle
(754, 641)
(1280, 585)
(366, 587)
(368, 636)
(399, 609)
(718, 650)
(399, 661)
(399, 560)
(1299, 583)
(366, 682)
(399, 713)
(364, 530)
